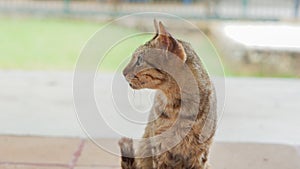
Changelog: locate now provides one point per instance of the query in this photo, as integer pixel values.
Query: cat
(145, 70)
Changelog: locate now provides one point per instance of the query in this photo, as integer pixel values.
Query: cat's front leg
(127, 154)
(144, 156)
(144, 152)
(168, 160)
(145, 163)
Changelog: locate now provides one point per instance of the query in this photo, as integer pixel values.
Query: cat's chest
(162, 116)
(161, 110)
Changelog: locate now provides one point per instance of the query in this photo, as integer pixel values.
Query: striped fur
(193, 149)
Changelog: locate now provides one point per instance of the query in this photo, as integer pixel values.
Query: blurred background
(253, 37)
(258, 42)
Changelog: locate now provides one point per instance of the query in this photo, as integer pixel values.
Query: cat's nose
(125, 72)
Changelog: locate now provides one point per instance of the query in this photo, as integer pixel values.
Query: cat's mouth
(132, 80)
(136, 84)
(132, 86)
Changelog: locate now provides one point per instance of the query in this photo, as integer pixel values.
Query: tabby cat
(192, 128)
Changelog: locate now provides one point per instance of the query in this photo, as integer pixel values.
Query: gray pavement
(256, 110)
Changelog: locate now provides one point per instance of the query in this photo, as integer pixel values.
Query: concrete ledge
(73, 153)
(254, 155)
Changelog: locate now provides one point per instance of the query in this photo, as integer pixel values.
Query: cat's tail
(127, 153)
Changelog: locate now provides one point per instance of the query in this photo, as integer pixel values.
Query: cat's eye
(139, 60)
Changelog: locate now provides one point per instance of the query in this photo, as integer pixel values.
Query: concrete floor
(256, 110)
(73, 153)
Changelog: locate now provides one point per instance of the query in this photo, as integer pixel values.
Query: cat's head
(145, 68)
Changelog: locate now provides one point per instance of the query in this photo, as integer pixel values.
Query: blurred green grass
(55, 44)
(42, 43)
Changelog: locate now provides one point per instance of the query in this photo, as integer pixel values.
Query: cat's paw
(126, 146)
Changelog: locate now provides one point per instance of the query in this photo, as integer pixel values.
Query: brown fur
(193, 149)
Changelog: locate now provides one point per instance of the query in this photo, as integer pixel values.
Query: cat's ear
(167, 42)
(162, 29)
(156, 27)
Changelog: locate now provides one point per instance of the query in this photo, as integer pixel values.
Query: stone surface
(37, 150)
(59, 153)
(93, 154)
(254, 155)
(28, 167)
(97, 167)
